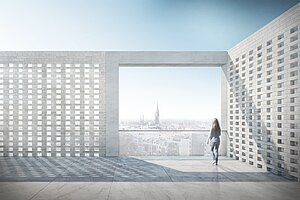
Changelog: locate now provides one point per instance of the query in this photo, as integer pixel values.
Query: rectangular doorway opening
(167, 111)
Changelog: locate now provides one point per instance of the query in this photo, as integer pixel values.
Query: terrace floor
(138, 178)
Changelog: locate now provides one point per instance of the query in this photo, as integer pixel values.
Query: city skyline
(153, 118)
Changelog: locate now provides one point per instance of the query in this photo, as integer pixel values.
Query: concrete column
(224, 113)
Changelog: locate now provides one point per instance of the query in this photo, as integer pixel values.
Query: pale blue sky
(132, 24)
(177, 25)
(181, 93)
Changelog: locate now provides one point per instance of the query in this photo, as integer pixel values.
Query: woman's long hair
(216, 126)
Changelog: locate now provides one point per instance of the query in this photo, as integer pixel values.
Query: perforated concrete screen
(66, 103)
(52, 107)
(263, 96)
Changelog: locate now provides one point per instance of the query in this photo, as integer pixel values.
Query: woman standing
(214, 139)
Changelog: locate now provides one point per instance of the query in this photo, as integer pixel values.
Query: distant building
(157, 116)
(197, 145)
(184, 147)
(142, 120)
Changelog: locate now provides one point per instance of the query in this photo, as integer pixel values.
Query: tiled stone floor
(138, 178)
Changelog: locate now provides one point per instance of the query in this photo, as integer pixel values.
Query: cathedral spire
(157, 115)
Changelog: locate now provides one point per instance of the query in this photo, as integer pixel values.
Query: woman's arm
(209, 137)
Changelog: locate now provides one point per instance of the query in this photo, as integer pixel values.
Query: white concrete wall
(52, 104)
(260, 72)
(114, 60)
(54, 121)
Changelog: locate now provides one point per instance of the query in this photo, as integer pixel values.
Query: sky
(146, 25)
(132, 24)
(180, 92)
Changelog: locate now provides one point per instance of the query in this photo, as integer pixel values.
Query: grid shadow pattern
(113, 169)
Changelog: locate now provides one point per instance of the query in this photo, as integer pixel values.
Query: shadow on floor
(113, 169)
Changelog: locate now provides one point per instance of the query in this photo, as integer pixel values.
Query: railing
(164, 142)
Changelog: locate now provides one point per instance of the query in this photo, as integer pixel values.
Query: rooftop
(138, 178)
